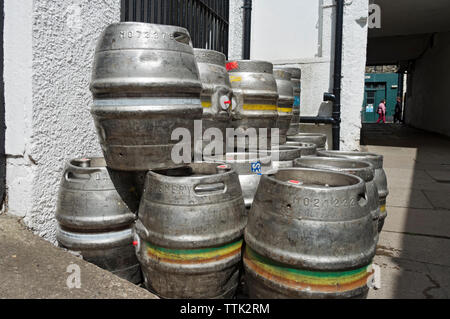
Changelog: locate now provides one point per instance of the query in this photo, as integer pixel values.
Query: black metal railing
(206, 20)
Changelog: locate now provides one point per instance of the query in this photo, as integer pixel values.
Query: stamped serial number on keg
(174, 189)
(146, 35)
(320, 203)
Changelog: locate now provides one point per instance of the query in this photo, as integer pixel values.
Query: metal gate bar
(206, 20)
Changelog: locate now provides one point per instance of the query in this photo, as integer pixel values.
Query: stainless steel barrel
(380, 176)
(310, 234)
(250, 167)
(284, 156)
(94, 220)
(255, 98)
(308, 149)
(296, 74)
(364, 170)
(216, 94)
(145, 84)
(189, 231)
(285, 102)
(316, 138)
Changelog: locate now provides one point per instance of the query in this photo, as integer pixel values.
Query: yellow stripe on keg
(315, 280)
(192, 256)
(285, 109)
(259, 107)
(383, 208)
(235, 78)
(206, 104)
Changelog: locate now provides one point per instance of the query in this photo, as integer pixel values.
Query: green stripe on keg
(317, 280)
(194, 255)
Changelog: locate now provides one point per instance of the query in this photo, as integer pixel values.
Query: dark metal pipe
(317, 119)
(247, 27)
(336, 127)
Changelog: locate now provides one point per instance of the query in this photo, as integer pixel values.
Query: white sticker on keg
(225, 102)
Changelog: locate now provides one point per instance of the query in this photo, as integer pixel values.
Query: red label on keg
(294, 182)
(223, 166)
(232, 65)
(135, 243)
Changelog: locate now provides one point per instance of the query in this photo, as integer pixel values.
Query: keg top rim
(226, 171)
(302, 145)
(310, 135)
(349, 166)
(209, 56)
(357, 181)
(95, 163)
(287, 152)
(368, 156)
(252, 156)
(166, 26)
(280, 74)
(251, 66)
(296, 73)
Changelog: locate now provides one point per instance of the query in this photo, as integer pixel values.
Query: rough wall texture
(64, 35)
(235, 45)
(426, 105)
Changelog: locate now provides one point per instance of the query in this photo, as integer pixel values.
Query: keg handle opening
(362, 199)
(210, 189)
(77, 178)
(182, 37)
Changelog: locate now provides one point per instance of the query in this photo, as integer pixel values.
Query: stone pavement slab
(407, 197)
(418, 221)
(425, 249)
(439, 199)
(410, 280)
(31, 267)
(439, 175)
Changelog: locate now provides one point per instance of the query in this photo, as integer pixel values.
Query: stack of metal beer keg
(301, 226)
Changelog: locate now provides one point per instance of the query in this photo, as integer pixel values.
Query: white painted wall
(285, 29)
(49, 48)
(427, 100)
(314, 54)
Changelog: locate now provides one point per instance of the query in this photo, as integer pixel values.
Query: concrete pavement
(32, 268)
(414, 247)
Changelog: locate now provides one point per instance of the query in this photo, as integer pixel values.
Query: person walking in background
(398, 110)
(382, 111)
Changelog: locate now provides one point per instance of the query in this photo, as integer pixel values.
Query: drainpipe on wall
(2, 112)
(335, 97)
(247, 27)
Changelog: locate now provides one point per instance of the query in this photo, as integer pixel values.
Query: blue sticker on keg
(256, 167)
(297, 101)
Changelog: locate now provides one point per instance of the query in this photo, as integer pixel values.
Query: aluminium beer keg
(362, 169)
(254, 106)
(216, 94)
(145, 85)
(250, 167)
(316, 138)
(190, 231)
(308, 149)
(380, 175)
(283, 156)
(296, 75)
(94, 220)
(310, 234)
(285, 102)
